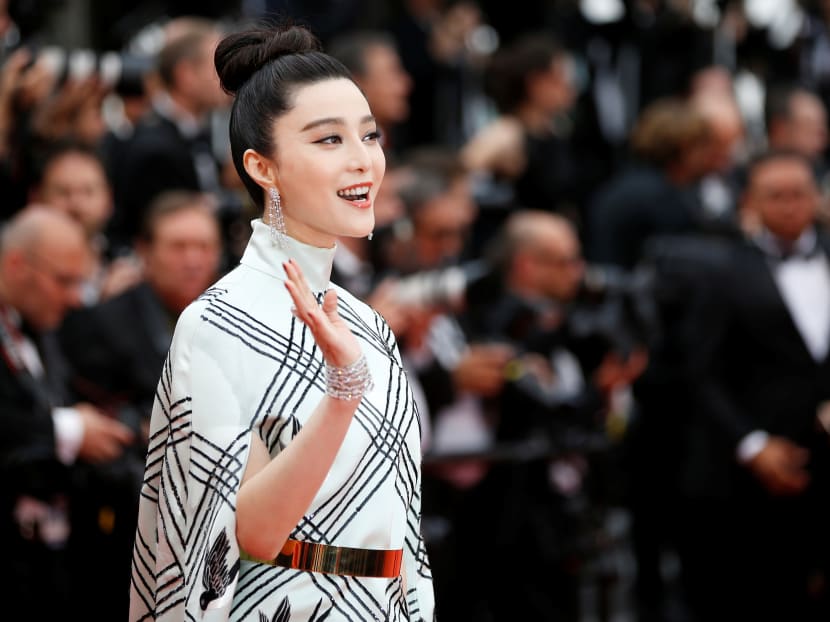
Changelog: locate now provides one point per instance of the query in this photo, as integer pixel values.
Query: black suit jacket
(28, 460)
(638, 204)
(35, 575)
(753, 372)
(116, 350)
(156, 158)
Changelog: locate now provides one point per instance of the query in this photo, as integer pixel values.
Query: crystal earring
(276, 222)
(371, 235)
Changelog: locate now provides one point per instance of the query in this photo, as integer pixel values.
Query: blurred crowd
(601, 243)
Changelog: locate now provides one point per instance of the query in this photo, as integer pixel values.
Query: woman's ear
(260, 168)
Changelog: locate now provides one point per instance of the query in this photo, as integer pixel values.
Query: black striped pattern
(268, 379)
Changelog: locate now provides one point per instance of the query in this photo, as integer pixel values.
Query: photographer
(546, 362)
(48, 437)
(573, 353)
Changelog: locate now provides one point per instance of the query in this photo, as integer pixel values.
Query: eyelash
(330, 140)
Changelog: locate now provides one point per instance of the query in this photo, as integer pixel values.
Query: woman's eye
(329, 140)
(372, 136)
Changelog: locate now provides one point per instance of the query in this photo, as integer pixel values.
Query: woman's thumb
(330, 304)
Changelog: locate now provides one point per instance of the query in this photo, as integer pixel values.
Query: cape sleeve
(420, 597)
(186, 559)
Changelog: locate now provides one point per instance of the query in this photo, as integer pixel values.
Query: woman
(283, 476)
(531, 84)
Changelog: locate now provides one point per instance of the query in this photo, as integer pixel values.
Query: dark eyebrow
(334, 121)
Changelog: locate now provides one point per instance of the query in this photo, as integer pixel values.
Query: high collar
(263, 255)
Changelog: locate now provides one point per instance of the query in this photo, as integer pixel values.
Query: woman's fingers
(337, 343)
(330, 305)
(306, 307)
(304, 299)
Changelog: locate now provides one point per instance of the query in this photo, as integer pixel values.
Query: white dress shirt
(803, 280)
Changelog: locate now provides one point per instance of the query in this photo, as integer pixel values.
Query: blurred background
(600, 242)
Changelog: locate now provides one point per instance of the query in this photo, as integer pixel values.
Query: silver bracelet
(349, 382)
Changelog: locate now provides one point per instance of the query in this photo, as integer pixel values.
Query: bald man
(557, 377)
(43, 262)
(545, 257)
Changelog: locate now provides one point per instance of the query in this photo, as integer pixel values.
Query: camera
(124, 72)
(448, 287)
(617, 308)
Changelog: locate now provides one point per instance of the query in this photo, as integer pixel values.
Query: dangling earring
(276, 222)
(371, 234)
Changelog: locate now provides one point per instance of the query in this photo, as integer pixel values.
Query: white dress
(240, 361)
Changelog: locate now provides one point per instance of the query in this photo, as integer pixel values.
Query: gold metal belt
(340, 560)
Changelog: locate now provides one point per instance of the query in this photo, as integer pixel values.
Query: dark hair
(351, 49)
(261, 67)
(58, 150)
(172, 202)
(507, 74)
(778, 103)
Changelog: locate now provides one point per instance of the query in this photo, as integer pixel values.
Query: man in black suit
(171, 148)
(116, 351)
(755, 543)
(43, 262)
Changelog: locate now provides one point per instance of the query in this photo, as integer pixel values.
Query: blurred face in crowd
(76, 184)
(182, 258)
(198, 81)
(726, 132)
(549, 263)
(782, 194)
(45, 279)
(386, 85)
(328, 164)
(442, 225)
(552, 90)
(807, 125)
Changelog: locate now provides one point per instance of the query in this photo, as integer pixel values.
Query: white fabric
(68, 426)
(804, 284)
(751, 445)
(240, 361)
(69, 433)
(461, 427)
(30, 357)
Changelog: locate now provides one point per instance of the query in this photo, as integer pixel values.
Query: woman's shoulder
(372, 323)
(228, 292)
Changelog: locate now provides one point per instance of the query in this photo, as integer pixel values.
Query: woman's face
(329, 163)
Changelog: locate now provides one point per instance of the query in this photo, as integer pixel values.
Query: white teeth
(359, 191)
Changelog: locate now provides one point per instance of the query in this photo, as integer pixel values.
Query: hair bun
(239, 55)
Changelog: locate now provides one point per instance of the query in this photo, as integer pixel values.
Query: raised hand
(334, 338)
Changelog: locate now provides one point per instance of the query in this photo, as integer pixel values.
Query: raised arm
(275, 493)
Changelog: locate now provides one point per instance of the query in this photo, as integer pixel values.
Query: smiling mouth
(357, 194)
